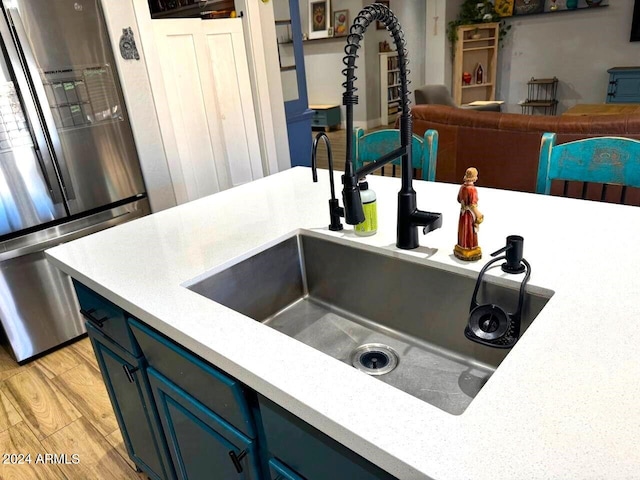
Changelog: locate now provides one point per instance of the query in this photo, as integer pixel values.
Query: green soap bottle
(370, 207)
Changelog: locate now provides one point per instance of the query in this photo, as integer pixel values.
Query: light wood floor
(338, 141)
(58, 405)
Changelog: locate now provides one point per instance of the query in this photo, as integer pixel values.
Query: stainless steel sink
(336, 297)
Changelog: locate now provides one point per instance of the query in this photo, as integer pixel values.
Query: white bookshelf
(476, 45)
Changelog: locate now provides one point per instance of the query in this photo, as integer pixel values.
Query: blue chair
(599, 160)
(371, 146)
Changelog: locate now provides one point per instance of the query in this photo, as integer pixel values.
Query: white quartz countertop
(564, 404)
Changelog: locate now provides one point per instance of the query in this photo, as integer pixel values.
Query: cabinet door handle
(88, 314)
(236, 459)
(128, 371)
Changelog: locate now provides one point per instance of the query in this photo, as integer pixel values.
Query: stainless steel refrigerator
(68, 163)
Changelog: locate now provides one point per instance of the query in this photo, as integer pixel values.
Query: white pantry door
(205, 78)
(228, 67)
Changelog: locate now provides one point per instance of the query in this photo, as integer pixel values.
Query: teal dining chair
(598, 162)
(371, 146)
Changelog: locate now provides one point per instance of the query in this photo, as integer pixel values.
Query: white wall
(286, 56)
(435, 42)
(260, 38)
(369, 82)
(323, 64)
(577, 47)
(140, 107)
(323, 59)
(438, 62)
(411, 16)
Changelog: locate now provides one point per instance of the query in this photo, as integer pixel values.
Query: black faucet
(409, 217)
(335, 211)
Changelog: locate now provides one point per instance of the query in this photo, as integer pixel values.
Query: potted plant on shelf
(473, 12)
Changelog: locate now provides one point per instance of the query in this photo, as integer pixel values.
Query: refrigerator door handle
(56, 193)
(40, 96)
(40, 246)
(42, 152)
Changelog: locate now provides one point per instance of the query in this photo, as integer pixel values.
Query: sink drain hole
(374, 358)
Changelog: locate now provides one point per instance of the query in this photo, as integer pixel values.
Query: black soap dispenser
(490, 324)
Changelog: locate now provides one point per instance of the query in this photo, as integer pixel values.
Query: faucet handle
(335, 212)
(429, 221)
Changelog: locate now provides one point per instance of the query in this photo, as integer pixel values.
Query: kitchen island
(564, 402)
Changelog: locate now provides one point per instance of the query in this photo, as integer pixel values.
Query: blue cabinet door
(217, 391)
(624, 85)
(202, 444)
(125, 384)
(279, 471)
(309, 453)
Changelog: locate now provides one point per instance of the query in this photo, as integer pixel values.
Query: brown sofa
(505, 146)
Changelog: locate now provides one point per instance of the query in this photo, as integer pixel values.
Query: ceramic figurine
(470, 219)
(479, 74)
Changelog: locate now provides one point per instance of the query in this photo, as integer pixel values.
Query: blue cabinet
(203, 446)
(129, 392)
(280, 471)
(624, 85)
(183, 418)
(326, 116)
(106, 317)
(214, 389)
(309, 453)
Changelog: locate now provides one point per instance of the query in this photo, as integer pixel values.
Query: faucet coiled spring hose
(369, 14)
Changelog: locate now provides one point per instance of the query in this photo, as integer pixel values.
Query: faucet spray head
(353, 211)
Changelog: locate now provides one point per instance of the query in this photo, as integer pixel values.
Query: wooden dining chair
(600, 168)
(371, 146)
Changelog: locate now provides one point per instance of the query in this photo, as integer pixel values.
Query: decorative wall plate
(504, 8)
(523, 7)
